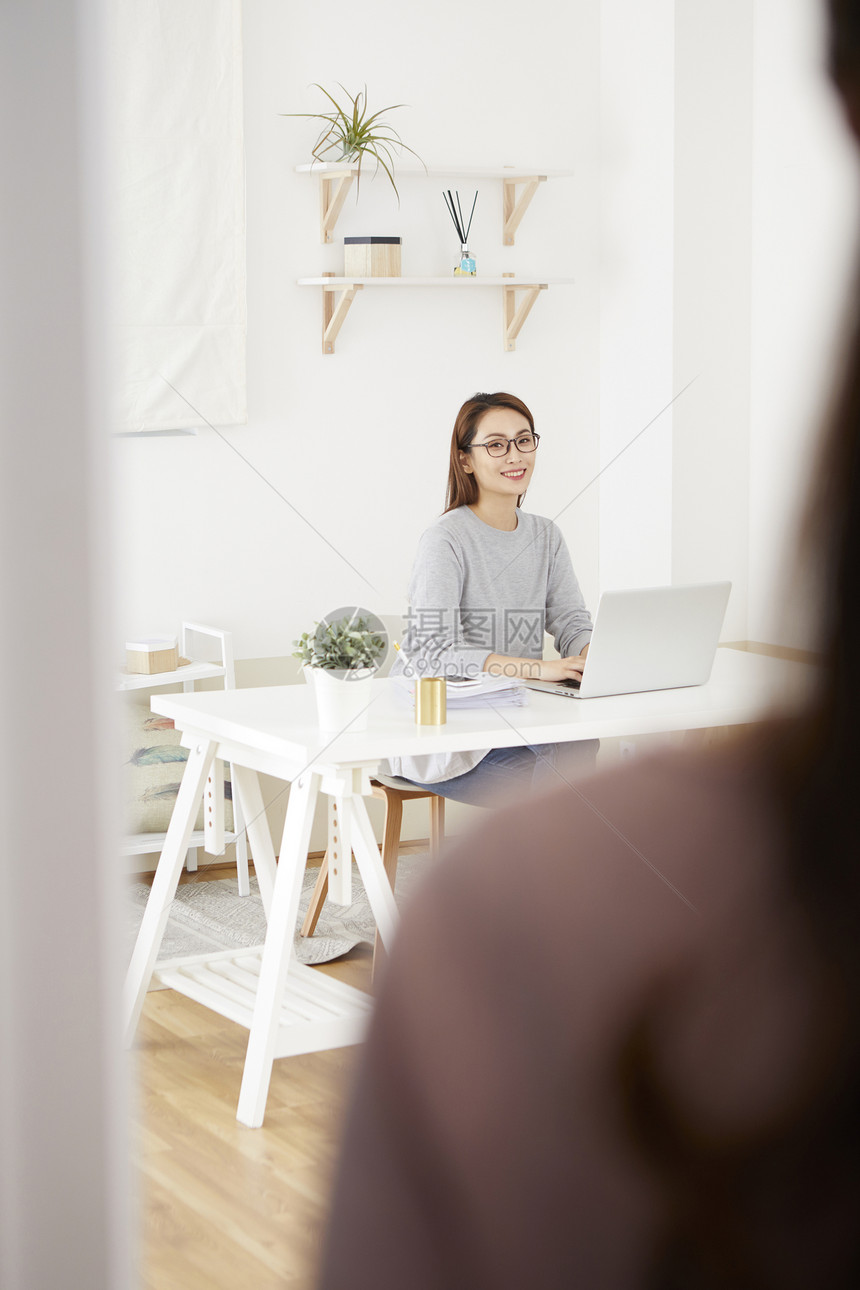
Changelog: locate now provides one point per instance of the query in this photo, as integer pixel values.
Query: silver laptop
(651, 638)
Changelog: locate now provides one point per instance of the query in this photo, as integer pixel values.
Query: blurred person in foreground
(618, 1039)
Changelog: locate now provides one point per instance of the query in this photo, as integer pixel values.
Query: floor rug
(211, 915)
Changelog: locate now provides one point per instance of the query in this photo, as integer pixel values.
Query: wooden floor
(221, 1205)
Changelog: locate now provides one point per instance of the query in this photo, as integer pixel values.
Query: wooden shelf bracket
(516, 314)
(513, 207)
(336, 180)
(518, 298)
(333, 190)
(336, 302)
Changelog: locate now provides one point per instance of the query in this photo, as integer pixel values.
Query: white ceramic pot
(341, 701)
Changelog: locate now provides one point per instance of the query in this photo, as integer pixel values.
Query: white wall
(711, 305)
(728, 208)
(804, 217)
(637, 110)
(357, 442)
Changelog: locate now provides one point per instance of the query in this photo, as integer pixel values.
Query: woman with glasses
(488, 580)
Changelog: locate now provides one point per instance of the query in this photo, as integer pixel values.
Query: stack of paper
(485, 691)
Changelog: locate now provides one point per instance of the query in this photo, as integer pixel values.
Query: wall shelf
(519, 186)
(336, 180)
(152, 680)
(518, 298)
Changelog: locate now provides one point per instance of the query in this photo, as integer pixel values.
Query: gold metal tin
(430, 704)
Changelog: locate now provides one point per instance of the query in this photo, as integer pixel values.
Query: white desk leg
(239, 818)
(246, 791)
(277, 950)
(372, 871)
(213, 809)
(163, 890)
(339, 852)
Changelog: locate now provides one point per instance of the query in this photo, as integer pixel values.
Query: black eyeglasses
(525, 442)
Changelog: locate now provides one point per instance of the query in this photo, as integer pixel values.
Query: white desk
(289, 1008)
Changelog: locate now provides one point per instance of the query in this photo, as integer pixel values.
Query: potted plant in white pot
(340, 658)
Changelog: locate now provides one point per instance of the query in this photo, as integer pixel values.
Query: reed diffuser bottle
(467, 263)
(466, 266)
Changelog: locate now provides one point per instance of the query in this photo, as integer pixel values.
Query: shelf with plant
(519, 185)
(350, 137)
(353, 136)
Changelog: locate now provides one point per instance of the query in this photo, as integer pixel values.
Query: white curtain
(178, 155)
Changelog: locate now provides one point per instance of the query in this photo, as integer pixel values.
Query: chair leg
(437, 822)
(390, 856)
(317, 901)
(391, 836)
(390, 850)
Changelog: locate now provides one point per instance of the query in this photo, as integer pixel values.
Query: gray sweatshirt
(475, 591)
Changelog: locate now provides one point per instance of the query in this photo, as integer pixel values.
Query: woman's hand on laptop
(560, 669)
(537, 669)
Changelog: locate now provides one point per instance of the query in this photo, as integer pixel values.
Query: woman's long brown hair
(731, 1203)
(462, 486)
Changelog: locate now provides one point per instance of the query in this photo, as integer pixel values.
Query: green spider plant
(351, 134)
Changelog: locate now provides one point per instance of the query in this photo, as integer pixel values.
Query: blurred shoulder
(640, 854)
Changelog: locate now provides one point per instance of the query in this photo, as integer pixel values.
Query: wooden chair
(393, 793)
